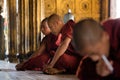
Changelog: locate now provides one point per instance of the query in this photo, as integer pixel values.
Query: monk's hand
(52, 71)
(47, 66)
(19, 66)
(102, 69)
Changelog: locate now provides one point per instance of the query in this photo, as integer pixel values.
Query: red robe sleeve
(87, 70)
(112, 26)
(67, 29)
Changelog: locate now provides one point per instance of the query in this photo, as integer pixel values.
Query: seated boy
(94, 41)
(45, 30)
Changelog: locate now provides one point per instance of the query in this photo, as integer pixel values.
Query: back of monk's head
(45, 20)
(44, 27)
(86, 32)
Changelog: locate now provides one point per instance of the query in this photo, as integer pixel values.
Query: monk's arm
(39, 50)
(60, 51)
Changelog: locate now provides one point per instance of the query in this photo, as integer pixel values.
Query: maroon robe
(88, 67)
(69, 60)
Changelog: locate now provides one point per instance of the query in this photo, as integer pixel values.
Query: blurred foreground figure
(93, 41)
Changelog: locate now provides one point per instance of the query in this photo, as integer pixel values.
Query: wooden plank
(8, 72)
(31, 75)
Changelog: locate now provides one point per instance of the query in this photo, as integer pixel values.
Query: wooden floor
(8, 72)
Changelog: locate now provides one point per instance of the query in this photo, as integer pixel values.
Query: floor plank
(8, 72)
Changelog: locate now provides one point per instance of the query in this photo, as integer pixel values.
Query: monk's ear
(58, 22)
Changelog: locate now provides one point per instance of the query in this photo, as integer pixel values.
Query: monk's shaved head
(86, 32)
(55, 23)
(54, 17)
(44, 21)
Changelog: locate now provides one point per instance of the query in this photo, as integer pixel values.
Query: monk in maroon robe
(92, 41)
(59, 52)
(45, 30)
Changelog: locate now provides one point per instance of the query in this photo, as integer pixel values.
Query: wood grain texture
(50, 7)
(64, 5)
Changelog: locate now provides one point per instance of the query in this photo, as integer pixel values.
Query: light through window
(117, 8)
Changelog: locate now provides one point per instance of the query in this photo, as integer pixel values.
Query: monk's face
(45, 28)
(55, 26)
(94, 51)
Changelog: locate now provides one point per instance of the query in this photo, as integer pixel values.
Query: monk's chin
(95, 57)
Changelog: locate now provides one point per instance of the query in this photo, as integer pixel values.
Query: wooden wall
(97, 9)
(24, 26)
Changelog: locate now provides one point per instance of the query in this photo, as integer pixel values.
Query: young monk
(94, 41)
(44, 27)
(59, 54)
(45, 30)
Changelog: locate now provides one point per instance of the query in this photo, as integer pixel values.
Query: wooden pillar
(104, 9)
(31, 24)
(35, 24)
(22, 26)
(38, 21)
(29, 11)
(12, 27)
(18, 24)
(43, 10)
(26, 26)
